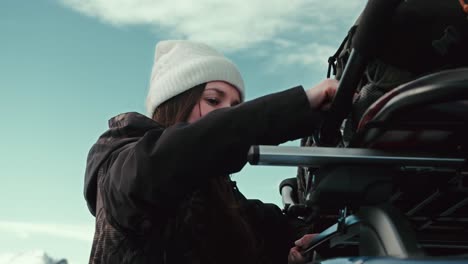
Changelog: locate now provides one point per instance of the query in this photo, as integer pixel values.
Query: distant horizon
(30, 257)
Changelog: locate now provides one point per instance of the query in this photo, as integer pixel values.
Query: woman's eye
(212, 101)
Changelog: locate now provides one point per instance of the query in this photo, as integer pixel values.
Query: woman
(160, 188)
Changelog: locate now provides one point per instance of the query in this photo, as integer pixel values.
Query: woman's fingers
(322, 94)
(304, 241)
(295, 257)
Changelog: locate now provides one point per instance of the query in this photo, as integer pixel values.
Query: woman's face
(215, 96)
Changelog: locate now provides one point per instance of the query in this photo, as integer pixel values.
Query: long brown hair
(178, 108)
(231, 220)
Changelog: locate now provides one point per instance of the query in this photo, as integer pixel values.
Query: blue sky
(67, 66)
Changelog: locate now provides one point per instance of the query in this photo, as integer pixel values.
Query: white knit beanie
(180, 65)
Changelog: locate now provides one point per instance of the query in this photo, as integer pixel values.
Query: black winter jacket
(143, 181)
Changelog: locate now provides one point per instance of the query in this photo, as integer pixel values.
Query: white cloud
(228, 25)
(30, 257)
(27, 229)
(311, 54)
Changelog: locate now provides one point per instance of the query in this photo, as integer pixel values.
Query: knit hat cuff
(189, 75)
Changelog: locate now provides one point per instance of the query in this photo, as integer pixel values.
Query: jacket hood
(123, 129)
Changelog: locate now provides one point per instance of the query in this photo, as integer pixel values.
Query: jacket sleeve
(158, 170)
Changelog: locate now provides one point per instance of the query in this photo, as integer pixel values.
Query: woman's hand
(295, 256)
(321, 95)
